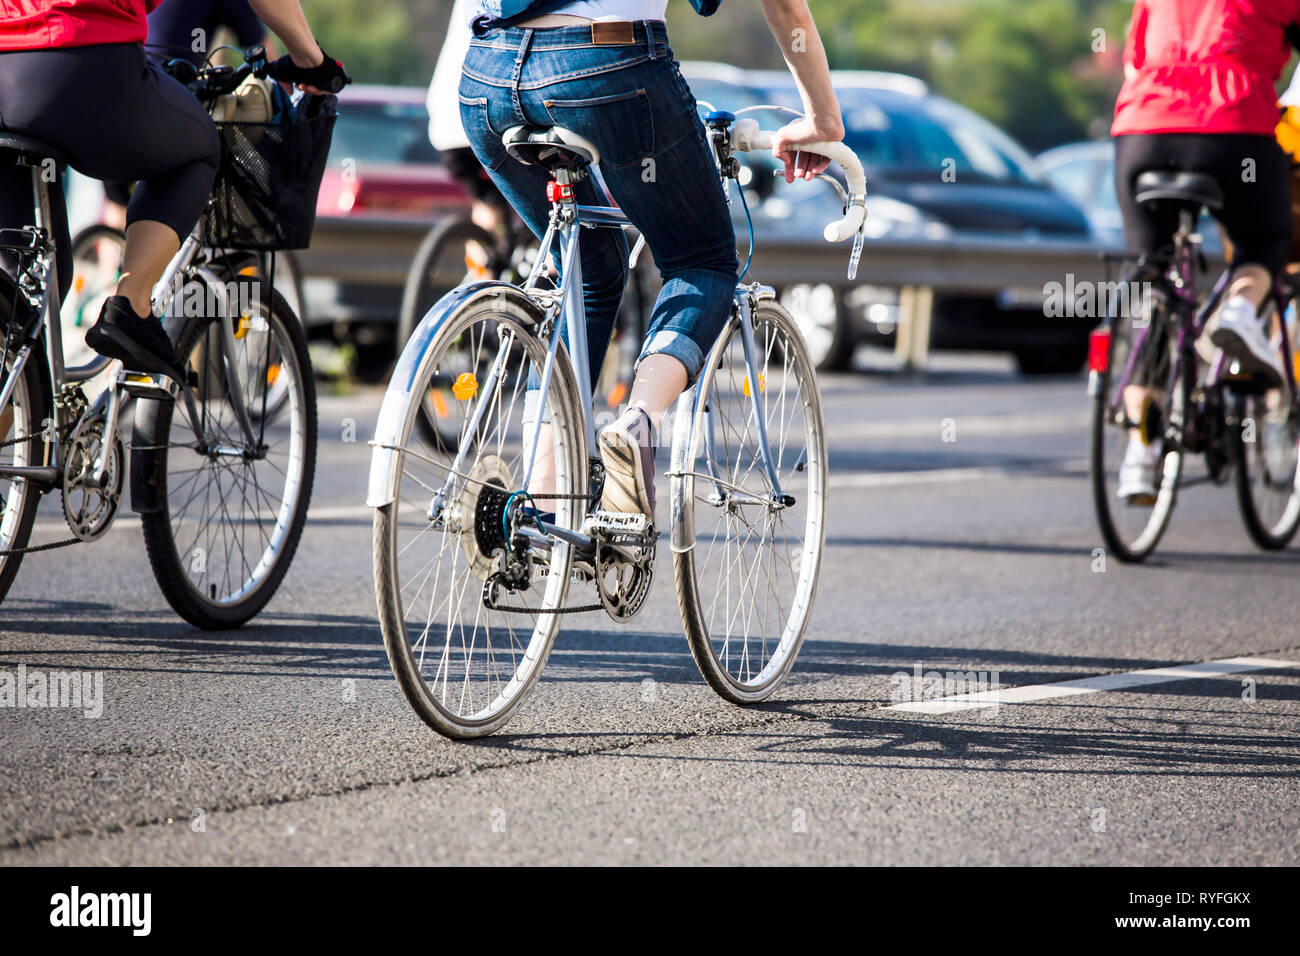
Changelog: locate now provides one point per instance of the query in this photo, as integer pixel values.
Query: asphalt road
(288, 742)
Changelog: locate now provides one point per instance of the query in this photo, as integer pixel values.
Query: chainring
(88, 507)
(624, 585)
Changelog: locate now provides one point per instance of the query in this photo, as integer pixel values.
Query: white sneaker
(1137, 473)
(1238, 331)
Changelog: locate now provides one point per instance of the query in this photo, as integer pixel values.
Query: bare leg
(542, 481)
(1251, 281)
(149, 247)
(659, 380)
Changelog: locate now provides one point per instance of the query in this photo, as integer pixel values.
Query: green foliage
(1027, 65)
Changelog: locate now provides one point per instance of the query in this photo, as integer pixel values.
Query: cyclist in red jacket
(73, 74)
(1198, 96)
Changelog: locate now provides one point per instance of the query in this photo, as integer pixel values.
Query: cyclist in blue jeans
(603, 68)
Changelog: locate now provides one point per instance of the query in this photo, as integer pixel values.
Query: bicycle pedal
(148, 385)
(618, 527)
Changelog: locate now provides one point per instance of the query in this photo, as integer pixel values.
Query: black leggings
(1252, 171)
(116, 116)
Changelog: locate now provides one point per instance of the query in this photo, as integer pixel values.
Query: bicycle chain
(34, 548)
(523, 609)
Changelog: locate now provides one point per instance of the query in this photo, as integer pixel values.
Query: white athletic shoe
(1238, 331)
(1137, 473)
(627, 449)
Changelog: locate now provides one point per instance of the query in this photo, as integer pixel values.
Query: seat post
(50, 299)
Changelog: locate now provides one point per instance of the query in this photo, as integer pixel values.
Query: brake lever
(846, 200)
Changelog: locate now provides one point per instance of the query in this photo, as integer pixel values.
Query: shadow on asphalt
(331, 646)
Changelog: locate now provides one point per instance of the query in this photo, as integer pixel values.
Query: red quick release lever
(557, 193)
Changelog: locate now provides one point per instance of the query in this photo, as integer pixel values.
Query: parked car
(908, 138)
(383, 187)
(1086, 173)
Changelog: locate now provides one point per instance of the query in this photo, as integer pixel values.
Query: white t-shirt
(443, 101)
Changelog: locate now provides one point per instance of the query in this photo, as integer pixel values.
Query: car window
(903, 134)
(1105, 198)
(1074, 178)
(382, 133)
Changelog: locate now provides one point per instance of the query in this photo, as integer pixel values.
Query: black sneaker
(140, 343)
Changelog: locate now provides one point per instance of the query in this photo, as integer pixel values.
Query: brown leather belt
(603, 32)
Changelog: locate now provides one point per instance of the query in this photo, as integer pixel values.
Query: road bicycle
(1147, 374)
(220, 476)
(472, 572)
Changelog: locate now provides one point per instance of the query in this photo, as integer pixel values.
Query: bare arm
(287, 21)
(791, 23)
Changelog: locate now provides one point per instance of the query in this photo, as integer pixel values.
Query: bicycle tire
(694, 586)
(1252, 462)
(437, 709)
(150, 472)
(20, 499)
(1134, 548)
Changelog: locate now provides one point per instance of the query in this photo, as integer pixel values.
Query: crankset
(90, 505)
(624, 561)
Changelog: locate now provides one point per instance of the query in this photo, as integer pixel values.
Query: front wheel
(1266, 447)
(224, 514)
(746, 574)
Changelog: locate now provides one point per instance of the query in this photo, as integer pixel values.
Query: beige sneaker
(627, 449)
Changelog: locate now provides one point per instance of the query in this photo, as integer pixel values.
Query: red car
(384, 187)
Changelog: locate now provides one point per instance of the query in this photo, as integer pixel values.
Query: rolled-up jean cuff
(532, 404)
(680, 346)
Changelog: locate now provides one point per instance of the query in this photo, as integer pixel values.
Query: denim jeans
(630, 100)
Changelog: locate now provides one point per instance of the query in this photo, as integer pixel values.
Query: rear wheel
(1155, 405)
(20, 445)
(464, 667)
(229, 512)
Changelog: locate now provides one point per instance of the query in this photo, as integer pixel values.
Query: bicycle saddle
(32, 148)
(551, 146)
(1156, 184)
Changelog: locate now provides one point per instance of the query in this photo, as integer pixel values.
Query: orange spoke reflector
(616, 395)
(440, 403)
(273, 373)
(762, 386)
(465, 387)
(245, 323)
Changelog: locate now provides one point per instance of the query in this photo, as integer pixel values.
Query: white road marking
(1090, 685)
(966, 425)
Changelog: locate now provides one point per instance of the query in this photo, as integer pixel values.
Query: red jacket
(48, 24)
(1203, 66)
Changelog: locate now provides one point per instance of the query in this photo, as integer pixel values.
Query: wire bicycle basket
(264, 197)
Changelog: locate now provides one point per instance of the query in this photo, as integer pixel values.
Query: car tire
(819, 315)
(1057, 360)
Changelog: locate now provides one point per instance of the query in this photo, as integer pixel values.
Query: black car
(936, 170)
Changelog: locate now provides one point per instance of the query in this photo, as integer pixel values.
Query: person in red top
(1198, 96)
(73, 75)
